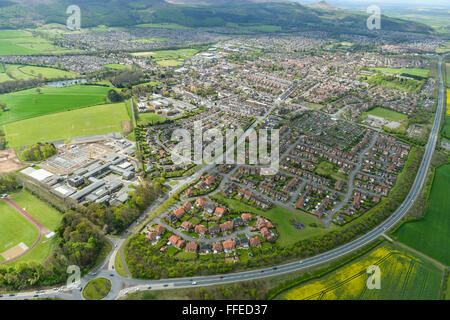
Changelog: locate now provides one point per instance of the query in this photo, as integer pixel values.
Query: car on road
(111, 275)
(149, 287)
(35, 296)
(300, 262)
(166, 285)
(11, 294)
(221, 277)
(275, 268)
(262, 271)
(194, 283)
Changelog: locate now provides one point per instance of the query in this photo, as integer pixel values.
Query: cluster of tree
(8, 183)
(14, 85)
(128, 78)
(38, 152)
(115, 219)
(206, 92)
(2, 140)
(145, 260)
(114, 96)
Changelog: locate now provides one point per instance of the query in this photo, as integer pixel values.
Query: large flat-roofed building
(75, 181)
(80, 195)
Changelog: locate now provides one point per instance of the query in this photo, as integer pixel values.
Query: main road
(122, 286)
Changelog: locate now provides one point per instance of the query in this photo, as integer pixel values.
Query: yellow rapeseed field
(402, 276)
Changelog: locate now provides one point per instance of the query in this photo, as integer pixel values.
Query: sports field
(16, 229)
(19, 42)
(13, 72)
(403, 276)
(387, 114)
(431, 235)
(29, 103)
(65, 125)
(46, 215)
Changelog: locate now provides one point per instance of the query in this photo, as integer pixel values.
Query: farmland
(430, 235)
(12, 72)
(403, 276)
(387, 114)
(30, 103)
(17, 42)
(65, 125)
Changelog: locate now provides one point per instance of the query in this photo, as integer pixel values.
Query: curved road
(122, 286)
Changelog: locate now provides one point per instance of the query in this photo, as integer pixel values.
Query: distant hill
(323, 5)
(290, 16)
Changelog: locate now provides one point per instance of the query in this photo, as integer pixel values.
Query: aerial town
(162, 157)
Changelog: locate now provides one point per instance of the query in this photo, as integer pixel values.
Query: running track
(40, 228)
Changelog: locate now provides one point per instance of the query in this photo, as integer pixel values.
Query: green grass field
(97, 289)
(29, 103)
(21, 72)
(65, 125)
(403, 276)
(47, 216)
(14, 228)
(117, 66)
(19, 42)
(431, 235)
(168, 57)
(410, 71)
(150, 118)
(387, 114)
(326, 168)
(281, 217)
